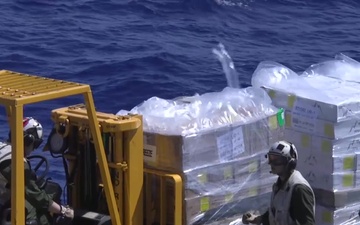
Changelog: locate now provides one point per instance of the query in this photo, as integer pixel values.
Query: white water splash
(238, 3)
(223, 56)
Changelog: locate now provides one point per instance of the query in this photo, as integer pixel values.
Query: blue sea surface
(129, 51)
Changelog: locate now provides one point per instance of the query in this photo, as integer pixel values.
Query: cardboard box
(357, 160)
(323, 162)
(247, 166)
(210, 178)
(232, 177)
(357, 179)
(249, 173)
(304, 140)
(182, 153)
(210, 207)
(313, 109)
(212, 194)
(242, 190)
(332, 130)
(332, 216)
(339, 146)
(337, 199)
(331, 182)
(322, 154)
(233, 210)
(195, 205)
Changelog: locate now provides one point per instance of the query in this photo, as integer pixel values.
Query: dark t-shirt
(301, 206)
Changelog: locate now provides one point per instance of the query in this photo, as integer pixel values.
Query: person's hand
(66, 216)
(251, 218)
(68, 212)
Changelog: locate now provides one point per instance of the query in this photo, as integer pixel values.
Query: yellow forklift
(102, 154)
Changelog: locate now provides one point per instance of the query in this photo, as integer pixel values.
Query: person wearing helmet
(38, 203)
(292, 199)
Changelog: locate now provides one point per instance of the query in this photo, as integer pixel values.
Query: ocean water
(129, 51)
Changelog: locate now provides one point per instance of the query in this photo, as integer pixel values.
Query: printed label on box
(304, 115)
(224, 144)
(238, 141)
(230, 144)
(306, 108)
(149, 153)
(303, 123)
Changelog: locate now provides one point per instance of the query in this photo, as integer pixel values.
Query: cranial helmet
(286, 150)
(33, 132)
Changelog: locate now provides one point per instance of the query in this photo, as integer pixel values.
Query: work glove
(251, 218)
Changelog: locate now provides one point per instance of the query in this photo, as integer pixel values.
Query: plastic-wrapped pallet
(210, 129)
(216, 193)
(327, 164)
(217, 143)
(210, 196)
(347, 215)
(322, 119)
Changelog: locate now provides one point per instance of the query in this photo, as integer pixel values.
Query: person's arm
(36, 197)
(39, 198)
(265, 218)
(301, 205)
(33, 194)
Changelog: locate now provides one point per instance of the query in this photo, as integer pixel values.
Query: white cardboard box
(357, 160)
(313, 108)
(331, 216)
(317, 153)
(357, 179)
(330, 182)
(178, 153)
(346, 145)
(323, 128)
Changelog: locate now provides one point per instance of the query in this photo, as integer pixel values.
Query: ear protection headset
(32, 132)
(292, 158)
(287, 150)
(29, 138)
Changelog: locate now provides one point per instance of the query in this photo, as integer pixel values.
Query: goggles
(276, 160)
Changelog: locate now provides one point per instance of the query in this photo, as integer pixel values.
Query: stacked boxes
(220, 167)
(322, 164)
(178, 153)
(216, 190)
(216, 142)
(326, 133)
(342, 215)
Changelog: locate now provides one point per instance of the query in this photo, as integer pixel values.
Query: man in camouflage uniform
(38, 203)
